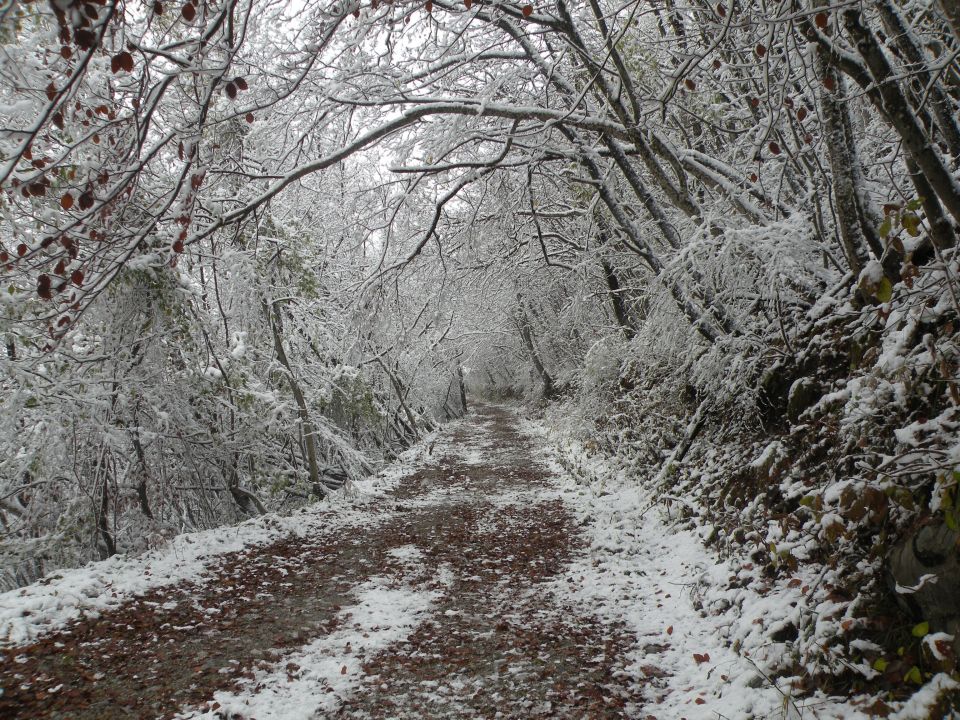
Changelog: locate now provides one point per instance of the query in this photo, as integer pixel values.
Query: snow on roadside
(919, 705)
(318, 677)
(661, 581)
(64, 595)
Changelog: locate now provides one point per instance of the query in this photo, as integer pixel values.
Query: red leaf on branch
(527, 10)
(85, 39)
(188, 11)
(121, 61)
(43, 287)
(66, 202)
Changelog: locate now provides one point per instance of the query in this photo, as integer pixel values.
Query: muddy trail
(477, 530)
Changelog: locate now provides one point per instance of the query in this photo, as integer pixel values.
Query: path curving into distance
(440, 601)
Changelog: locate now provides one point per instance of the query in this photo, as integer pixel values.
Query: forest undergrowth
(824, 470)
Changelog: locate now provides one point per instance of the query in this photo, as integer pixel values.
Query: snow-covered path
(442, 599)
(488, 575)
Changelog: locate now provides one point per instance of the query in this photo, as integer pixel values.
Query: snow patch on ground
(673, 593)
(317, 678)
(920, 704)
(472, 455)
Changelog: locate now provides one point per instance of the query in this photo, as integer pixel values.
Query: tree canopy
(251, 248)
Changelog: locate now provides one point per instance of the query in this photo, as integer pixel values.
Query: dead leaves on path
(498, 627)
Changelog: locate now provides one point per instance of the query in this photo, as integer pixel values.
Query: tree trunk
(527, 336)
(398, 389)
(921, 80)
(884, 90)
(463, 389)
(103, 523)
(144, 474)
(842, 159)
(244, 498)
(309, 434)
(616, 299)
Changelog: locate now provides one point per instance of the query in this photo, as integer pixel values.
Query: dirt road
(443, 603)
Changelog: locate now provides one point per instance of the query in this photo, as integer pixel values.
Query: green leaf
(913, 675)
(950, 518)
(915, 204)
(885, 227)
(884, 290)
(880, 665)
(911, 223)
(921, 629)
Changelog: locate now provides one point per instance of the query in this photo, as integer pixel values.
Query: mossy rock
(803, 394)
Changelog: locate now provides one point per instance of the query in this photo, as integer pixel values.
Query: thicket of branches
(250, 248)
